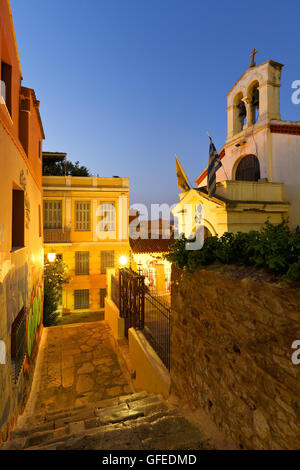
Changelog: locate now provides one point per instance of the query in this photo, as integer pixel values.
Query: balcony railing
(57, 235)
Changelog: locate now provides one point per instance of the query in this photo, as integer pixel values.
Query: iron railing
(143, 310)
(57, 235)
(18, 344)
(157, 322)
(115, 292)
(132, 299)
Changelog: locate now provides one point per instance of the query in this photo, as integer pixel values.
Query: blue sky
(125, 84)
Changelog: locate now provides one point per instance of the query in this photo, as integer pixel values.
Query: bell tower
(254, 99)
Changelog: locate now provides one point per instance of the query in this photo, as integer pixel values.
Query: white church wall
(286, 169)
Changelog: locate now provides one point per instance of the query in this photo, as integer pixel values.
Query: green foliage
(64, 169)
(275, 248)
(54, 277)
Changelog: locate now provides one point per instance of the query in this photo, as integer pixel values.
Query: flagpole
(187, 178)
(220, 160)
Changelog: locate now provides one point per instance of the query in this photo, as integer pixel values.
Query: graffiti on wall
(34, 317)
(16, 290)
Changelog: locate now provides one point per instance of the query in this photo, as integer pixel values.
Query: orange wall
(9, 54)
(21, 269)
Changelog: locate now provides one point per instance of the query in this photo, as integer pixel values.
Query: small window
(82, 216)
(18, 343)
(40, 149)
(40, 221)
(6, 85)
(107, 260)
(17, 219)
(248, 169)
(81, 299)
(102, 297)
(107, 217)
(52, 214)
(82, 262)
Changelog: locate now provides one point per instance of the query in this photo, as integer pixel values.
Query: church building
(259, 176)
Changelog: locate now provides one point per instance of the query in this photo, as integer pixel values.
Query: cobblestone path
(81, 399)
(78, 366)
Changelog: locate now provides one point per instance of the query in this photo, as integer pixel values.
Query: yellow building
(86, 223)
(21, 243)
(258, 179)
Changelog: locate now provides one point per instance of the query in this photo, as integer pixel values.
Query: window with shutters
(52, 214)
(107, 217)
(18, 219)
(102, 297)
(82, 262)
(6, 86)
(82, 216)
(81, 299)
(107, 260)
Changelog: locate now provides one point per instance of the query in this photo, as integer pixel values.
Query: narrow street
(77, 366)
(81, 399)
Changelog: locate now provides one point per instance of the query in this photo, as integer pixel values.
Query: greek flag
(214, 163)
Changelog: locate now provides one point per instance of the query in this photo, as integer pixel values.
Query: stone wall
(232, 331)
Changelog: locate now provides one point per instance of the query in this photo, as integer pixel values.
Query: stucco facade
(21, 247)
(88, 248)
(248, 196)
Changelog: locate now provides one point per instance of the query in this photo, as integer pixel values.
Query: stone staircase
(136, 421)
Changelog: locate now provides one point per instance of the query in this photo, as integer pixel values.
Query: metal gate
(132, 299)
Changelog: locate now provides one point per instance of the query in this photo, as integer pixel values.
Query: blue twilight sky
(124, 84)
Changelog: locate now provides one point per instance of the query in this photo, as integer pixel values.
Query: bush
(64, 169)
(54, 277)
(275, 248)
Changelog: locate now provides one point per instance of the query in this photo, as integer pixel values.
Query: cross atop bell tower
(254, 99)
(252, 55)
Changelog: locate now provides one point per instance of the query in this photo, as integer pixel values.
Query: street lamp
(123, 260)
(51, 257)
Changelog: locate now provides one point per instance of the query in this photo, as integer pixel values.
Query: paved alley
(78, 365)
(81, 399)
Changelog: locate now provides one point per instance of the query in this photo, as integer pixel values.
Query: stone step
(129, 408)
(57, 414)
(55, 420)
(166, 431)
(90, 438)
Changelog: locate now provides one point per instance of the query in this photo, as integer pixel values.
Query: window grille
(82, 262)
(81, 299)
(18, 343)
(107, 260)
(82, 216)
(102, 297)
